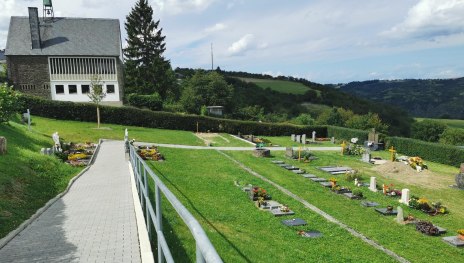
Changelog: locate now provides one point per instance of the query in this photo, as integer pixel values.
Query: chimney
(34, 24)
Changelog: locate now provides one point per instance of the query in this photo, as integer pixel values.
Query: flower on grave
(333, 179)
(284, 209)
(460, 231)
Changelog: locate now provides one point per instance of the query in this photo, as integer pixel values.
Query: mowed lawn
(242, 233)
(285, 141)
(204, 183)
(282, 86)
(452, 123)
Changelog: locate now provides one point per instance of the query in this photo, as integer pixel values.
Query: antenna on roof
(48, 9)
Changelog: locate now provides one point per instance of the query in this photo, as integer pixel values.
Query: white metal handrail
(205, 251)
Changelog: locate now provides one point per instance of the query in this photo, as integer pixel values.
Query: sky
(324, 41)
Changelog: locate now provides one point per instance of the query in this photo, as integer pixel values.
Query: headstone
(314, 136)
(261, 152)
(294, 222)
(289, 152)
(3, 148)
(399, 216)
(56, 140)
(298, 138)
(366, 157)
(303, 139)
(373, 184)
(405, 196)
(332, 140)
(292, 137)
(373, 136)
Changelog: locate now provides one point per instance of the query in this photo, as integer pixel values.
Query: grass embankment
(27, 178)
(239, 231)
(285, 141)
(452, 123)
(282, 86)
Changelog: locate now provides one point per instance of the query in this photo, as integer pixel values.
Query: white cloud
(430, 19)
(240, 47)
(216, 27)
(182, 6)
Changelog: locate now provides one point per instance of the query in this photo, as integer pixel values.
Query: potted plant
(461, 234)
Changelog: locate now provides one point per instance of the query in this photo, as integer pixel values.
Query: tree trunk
(2, 145)
(98, 117)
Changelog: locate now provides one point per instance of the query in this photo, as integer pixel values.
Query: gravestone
(308, 175)
(294, 222)
(332, 140)
(373, 184)
(399, 216)
(314, 136)
(277, 162)
(405, 196)
(454, 241)
(386, 212)
(3, 148)
(303, 139)
(289, 152)
(261, 152)
(366, 157)
(373, 136)
(292, 137)
(298, 138)
(42, 151)
(460, 177)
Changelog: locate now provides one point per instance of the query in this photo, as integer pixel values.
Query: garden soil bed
(404, 173)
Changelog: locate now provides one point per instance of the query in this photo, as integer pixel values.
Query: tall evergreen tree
(146, 70)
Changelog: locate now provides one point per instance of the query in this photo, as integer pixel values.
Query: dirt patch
(404, 173)
(208, 138)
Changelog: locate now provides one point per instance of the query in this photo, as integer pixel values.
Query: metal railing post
(159, 221)
(147, 201)
(200, 258)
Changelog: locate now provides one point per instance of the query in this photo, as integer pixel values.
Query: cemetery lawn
(281, 86)
(222, 139)
(285, 141)
(27, 178)
(240, 232)
(204, 182)
(77, 131)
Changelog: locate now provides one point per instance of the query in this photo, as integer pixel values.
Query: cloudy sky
(326, 41)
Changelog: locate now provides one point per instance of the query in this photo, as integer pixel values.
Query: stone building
(55, 58)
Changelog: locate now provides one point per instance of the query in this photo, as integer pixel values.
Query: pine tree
(146, 70)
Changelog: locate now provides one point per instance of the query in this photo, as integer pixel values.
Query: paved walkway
(94, 222)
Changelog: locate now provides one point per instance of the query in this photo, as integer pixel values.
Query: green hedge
(155, 119)
(151, 102)
(346, 133)
(435, 152)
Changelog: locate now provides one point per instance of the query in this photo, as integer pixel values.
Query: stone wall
(30, 74)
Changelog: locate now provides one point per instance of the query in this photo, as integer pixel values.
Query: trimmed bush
(445, 154)
(341, 133)
(151, 102)
(145, 118)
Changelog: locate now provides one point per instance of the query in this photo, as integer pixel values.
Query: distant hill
(432, 98)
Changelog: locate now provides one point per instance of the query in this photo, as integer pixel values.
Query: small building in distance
(2, 59)
(56, 57)
(215, 110)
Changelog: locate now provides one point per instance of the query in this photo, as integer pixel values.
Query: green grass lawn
(203, 181)
(77, 131)
(226, 140)
(242, 233)
(27, 178)
(285, 141)
(282, 86)
(459, 124)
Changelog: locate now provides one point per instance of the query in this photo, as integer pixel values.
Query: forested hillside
(433, 98)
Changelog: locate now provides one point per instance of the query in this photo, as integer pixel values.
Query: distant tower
(48, 9)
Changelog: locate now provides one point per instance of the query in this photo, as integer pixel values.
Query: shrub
(435, 152)
(8, 102)
(452, 136)
(151, 102)
(427, 130)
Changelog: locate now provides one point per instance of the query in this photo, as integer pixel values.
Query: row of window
(72, 89)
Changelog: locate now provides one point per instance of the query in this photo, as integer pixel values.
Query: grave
(279, 212)
(399, 217)
(369, 204)
(373, 184)
(352, 196)
(308, 175)
(289, 152)
(3, 147)
(386, 212)
(261, 152)
(318, 180)
(405, 196)
(291, 167)
(282, 165)
(310, 234)
(277, 162)
(342, 190)
(299, 171)
(332, 140)
(294, 222)
(298, 138)
(313, 136)
(292, 137)
(270, 205)
(303, 139)
(366, 157)
(326, 184)
(454, 241)
(336, 170)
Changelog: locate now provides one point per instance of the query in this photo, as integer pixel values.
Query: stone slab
(351, 196)
(311, 234)
(294, 222)
(330, 169)
(454, 241)
(342, 191)
(271, 205)
(277, 212)
(291, 167)
(282, 165)
(317, 179)
(326, 184)
(384, 212)
(299, 171)
(309, 176)
(369, 204)
(441, 230)
(277, 162)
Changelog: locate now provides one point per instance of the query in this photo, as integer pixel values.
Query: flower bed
(423, 204)
(77, 154)
(150, 153)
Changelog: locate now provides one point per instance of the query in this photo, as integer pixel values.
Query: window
(109, 88)
(72, 89)
(59, 89)
(85, 89)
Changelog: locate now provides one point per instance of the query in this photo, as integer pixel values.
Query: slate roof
(66, 37)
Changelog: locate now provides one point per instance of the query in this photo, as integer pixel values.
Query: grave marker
(399, 216)
(332, 140)
(314, 136)
(289, 152)
(298, 138)
(292, 137)
(373, 184)
(303, 139)
(405, 196)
